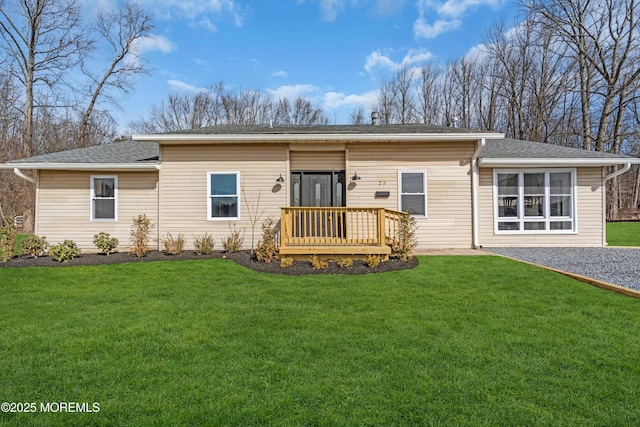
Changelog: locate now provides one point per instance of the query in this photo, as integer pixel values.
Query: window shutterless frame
(104, 198)
(536, 201)
(223, 196)
(412, 192)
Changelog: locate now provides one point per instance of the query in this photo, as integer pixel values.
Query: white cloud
(389, 7)
(446, 15)
(199, 11)
(207, 24)
(151, 43)
(377, 60)
(182, 86)
(422, 30)
(328, 8)
(280, 73)
(293, 91)
(457, 8)
(336, 100)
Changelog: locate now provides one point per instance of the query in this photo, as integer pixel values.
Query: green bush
(318, 263)
(286, 262)
(203, 244)
(35, 246)
(267, 249)
(105, 242)
(65, 251)
(234, 242)
(8, 238)
(139, 242)
(173, 245)
(345, 263)
(406, 239)
(373, 261)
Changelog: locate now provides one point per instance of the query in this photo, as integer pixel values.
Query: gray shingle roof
(146, 152)
(126, 152)
(517, 149)
(325, 129)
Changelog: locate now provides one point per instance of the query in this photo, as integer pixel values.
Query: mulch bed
(243, 258)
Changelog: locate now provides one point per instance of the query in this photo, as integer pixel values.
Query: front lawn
(456, 341)
(623, 233)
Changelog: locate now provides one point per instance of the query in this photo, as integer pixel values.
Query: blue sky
(334, 52)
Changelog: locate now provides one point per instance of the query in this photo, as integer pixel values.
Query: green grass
(623, 233)
(457, 341)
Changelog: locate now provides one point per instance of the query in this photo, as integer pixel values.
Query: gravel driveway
(620, 266)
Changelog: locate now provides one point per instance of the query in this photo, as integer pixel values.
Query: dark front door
(316, 190)
(319, 189)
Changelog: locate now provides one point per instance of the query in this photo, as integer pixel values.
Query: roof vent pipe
(374, 118)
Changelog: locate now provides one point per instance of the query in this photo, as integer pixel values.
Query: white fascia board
(594, 162)
(83, 166)
(334, 137)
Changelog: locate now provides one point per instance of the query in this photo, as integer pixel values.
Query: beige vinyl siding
(64, 206)
(590, 220)
(317, 160)
(183, 188)
(447, 164)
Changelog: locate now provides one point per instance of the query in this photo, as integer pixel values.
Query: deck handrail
(301, 225)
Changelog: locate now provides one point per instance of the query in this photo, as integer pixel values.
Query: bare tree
(428, 94)
(300, 112)
(604, 38)
(356, 117)
(120, 30)
(43, 40)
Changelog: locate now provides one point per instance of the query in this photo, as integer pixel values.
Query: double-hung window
(223, 192)
(535, 201)
(104, 198)
(413, 192)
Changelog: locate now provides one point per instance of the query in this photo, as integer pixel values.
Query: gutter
(23, 176)
(333, 137)
(624, 169)
(589, 162)
(475, 223)
(83, 166)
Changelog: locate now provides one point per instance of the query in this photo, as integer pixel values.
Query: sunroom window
(223, 190)
(104, 198)
(535, 201)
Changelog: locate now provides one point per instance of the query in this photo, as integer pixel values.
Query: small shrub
(65, 251)
(406, 239)
(373, 261)
(286, 262)
(8, 238)
(139, 242)
(173, 245)
(105, 243)
(345, 263)
(203, 244)
(233, 243)
(268, 247)
(35, 246)
(318, 263)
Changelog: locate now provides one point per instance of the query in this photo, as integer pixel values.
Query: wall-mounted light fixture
(355, 177)
(280, 179)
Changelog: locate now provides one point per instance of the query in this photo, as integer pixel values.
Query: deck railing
(326, 226)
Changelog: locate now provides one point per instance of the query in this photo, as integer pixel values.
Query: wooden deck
(326, 231)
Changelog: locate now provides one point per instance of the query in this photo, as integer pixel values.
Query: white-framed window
(412, 190)
(104, 198)
(535, 201)
(223, 189)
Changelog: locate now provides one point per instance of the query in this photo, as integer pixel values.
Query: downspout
(626, 168)
(475, 225)
(32, 180)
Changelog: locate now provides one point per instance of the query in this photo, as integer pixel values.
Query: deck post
(381, 224)
(284, 227)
